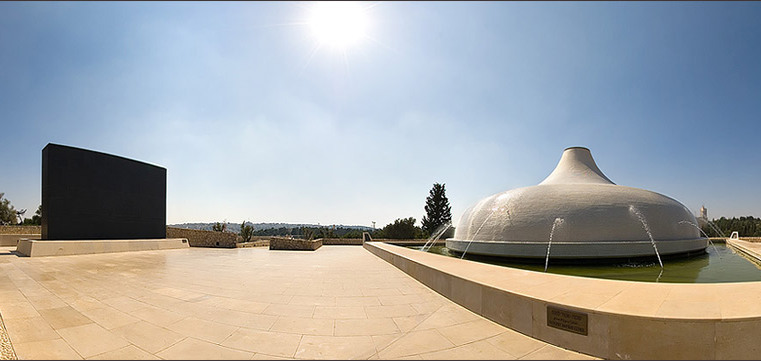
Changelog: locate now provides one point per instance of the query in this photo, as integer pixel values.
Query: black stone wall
(93, 195)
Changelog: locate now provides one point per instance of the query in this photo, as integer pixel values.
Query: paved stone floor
(339, 302)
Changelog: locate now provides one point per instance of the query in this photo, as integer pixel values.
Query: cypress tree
(437, 209)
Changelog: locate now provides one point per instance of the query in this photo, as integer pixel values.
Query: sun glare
(338, 24)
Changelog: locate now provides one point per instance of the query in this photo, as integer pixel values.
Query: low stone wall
(20, 229)
(609, 319)
(342, 241)
(10, 240)
(254, 243)
(358, 241)
(199, 238)
(294, 244)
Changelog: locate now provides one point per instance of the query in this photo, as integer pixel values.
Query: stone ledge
(626, 320)
(12, 239)
(43, 248)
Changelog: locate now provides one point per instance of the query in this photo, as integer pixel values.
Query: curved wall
(624, 320)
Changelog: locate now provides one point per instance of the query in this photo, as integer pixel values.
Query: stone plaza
(338, 302)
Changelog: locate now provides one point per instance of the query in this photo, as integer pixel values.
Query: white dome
(588, 215)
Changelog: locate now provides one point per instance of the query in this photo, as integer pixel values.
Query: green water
(719, 264)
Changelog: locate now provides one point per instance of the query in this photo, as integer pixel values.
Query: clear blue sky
(253, 124)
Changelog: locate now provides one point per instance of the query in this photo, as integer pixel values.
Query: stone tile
(201, 329)
(125, 353)
(270, 298)
(415, 343)
(181, 294)
(409, 323)
(480, 350)
(18, 310)
(148, 336)
(29, 330)
(46, 301)
(550, 352)
(192, 349)
(159, 300)
(236, 304)
(114, 289)
(365, 327)
(471, 331)
(64, 317)
(436, 320)
(303, 325)
(427, 307)
(261, 356)
(253, 321)
(458, 313)
(289, 310)
(357, 301)
(515, 343)
(331, 347)
(345, 292)
(383, 341)
(45, 350)
(157, 316)
(270, 343)
(412, 357)
(389, 311)
(109, 318)
(82, 303)
(313, 301)
(124, 304)
(344, 312)
(381, 292)
(399, 300)
(90, 339)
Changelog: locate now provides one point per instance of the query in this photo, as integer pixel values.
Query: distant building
(703, 217)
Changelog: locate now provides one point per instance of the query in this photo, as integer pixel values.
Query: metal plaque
(567, 320)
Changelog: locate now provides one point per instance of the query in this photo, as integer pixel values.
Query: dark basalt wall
(93, 195)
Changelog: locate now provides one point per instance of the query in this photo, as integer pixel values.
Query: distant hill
(235, 227)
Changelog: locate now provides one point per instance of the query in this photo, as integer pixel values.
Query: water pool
(720, 263)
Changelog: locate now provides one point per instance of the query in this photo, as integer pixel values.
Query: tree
(37, 217)
(7, 212)
(437, 209)
(219, 227)
(308, 233)
(403, 228)
(747, 226)
(246, 231)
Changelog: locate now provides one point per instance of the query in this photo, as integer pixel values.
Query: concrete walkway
(338, 302)
(752, 249)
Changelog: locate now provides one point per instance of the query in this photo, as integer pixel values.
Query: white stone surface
(592, 217)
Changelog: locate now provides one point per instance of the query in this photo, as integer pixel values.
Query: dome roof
(588, 215)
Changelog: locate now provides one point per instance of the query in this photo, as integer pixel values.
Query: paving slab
(336, 302)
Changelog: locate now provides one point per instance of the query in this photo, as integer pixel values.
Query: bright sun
(338, 24)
